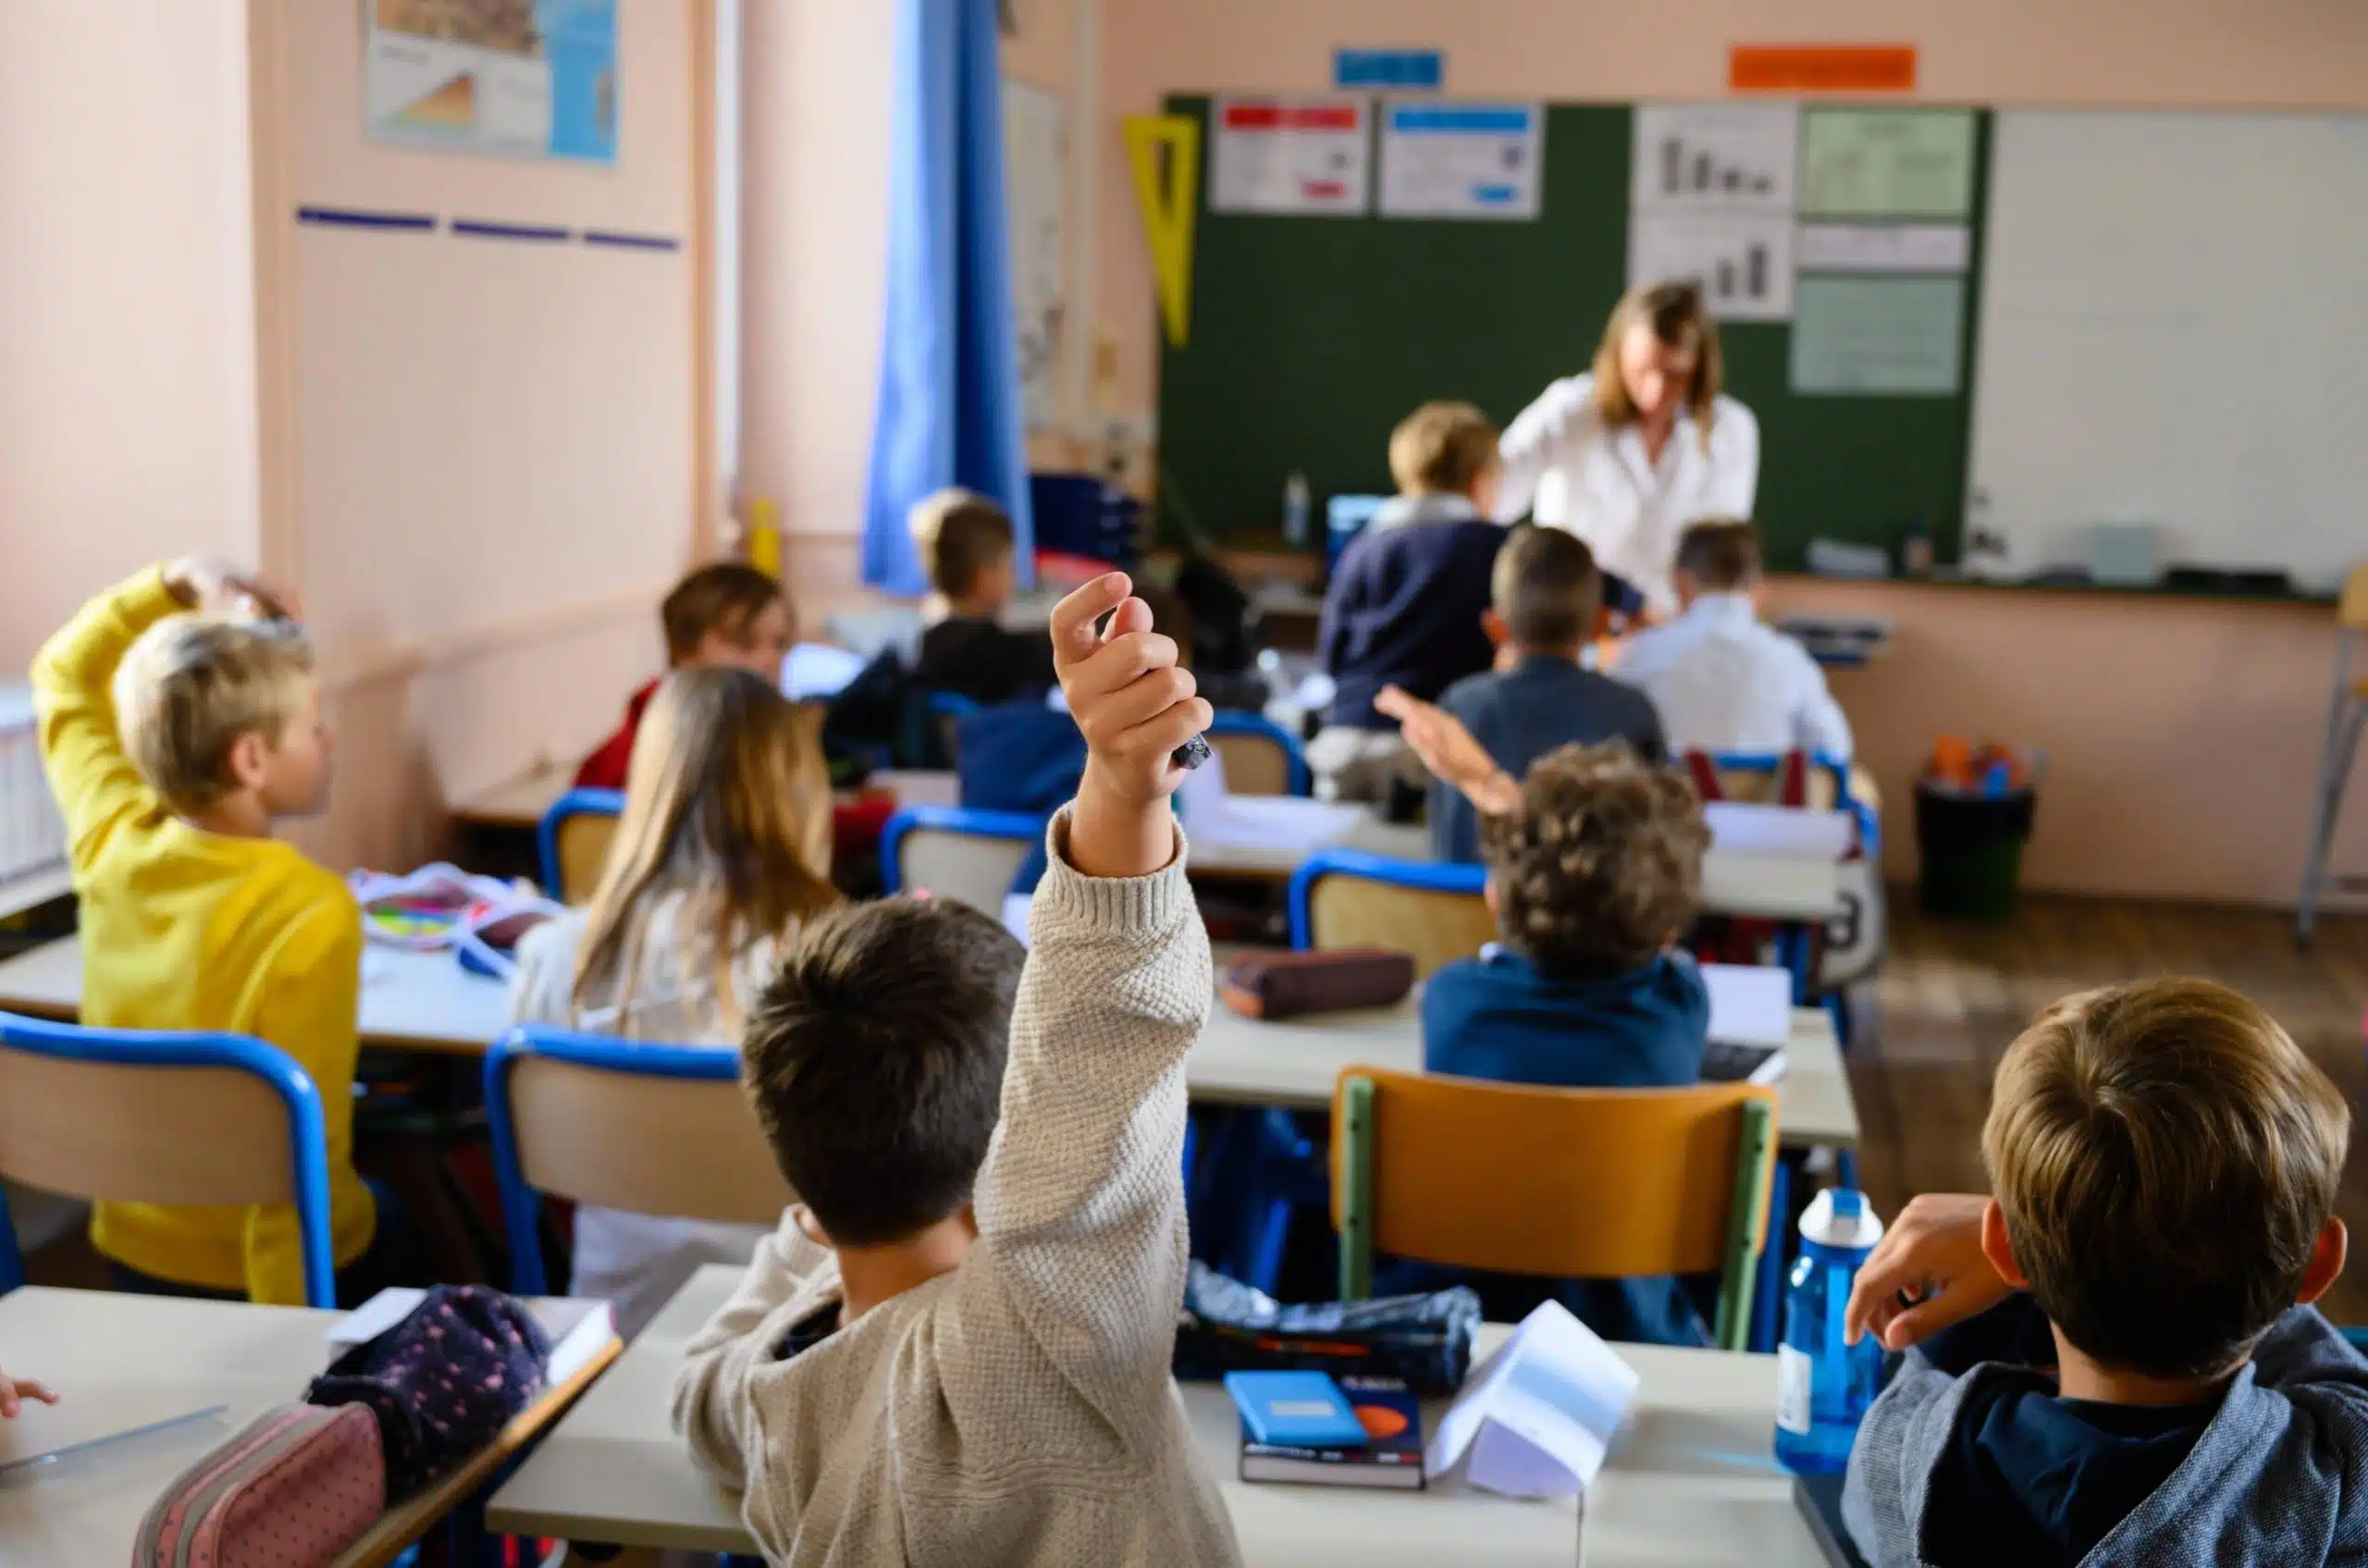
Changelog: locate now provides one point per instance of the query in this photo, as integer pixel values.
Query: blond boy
(173, 742)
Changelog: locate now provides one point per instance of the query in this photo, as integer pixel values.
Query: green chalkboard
(1312, 337)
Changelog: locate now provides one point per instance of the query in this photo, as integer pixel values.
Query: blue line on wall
(356, 217)
(477, 228)
(630, 242)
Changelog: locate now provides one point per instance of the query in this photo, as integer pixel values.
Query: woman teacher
(1628, 456)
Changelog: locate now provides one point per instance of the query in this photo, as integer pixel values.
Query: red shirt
(605, 769)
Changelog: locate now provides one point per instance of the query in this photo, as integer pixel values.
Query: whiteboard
(1036, 161)
(2175, 330)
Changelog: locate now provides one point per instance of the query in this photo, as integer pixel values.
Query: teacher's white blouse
(1566, 468)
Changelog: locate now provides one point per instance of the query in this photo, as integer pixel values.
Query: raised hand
(222, 588)
(1135, 706)
(1448, 749)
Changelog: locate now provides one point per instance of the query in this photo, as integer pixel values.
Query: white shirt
(1725, 681)
(1566, 468)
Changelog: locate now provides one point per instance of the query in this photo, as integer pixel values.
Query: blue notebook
(1295, 1409)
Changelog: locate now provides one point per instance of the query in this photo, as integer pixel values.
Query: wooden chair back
(1434, 928)
(583, 842)
(684, 1148)
(975, 869)
(1593, 1183)
(115, 1133)
(1254, 764)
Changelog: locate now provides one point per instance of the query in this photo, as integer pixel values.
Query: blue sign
(1400, 70)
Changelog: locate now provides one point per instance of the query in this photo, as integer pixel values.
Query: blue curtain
(949, 369)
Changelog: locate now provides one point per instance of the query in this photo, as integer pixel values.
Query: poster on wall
(1714, 159)
(1462, 160)
(1036, 162)
(1742, 261)
(521, 79)
(1291, 154)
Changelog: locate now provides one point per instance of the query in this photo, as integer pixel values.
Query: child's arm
(311, 1009)
(73, 679)
(1449, 750)
(1819, 724)
(1529, 445)
(1081, 1207)
(712, 1407)
(15, 1390)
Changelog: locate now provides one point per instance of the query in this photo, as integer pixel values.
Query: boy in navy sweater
(1405, 604)
(1547, 598)
(1595, 869)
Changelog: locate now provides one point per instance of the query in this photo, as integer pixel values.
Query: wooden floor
(1951, 997)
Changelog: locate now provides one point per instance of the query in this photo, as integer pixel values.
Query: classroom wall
(126, 359)
(480, 455)
(817, 81)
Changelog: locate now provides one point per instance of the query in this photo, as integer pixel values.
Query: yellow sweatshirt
(185, 929)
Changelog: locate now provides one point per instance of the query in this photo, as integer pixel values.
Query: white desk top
(613, 1470)
(148, 1358)
(426, 1002)
(519, 804)
(1691, 1479)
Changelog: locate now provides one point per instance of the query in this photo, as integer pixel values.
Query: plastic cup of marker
(1191, 754)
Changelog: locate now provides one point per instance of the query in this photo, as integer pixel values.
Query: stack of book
(1345, 1432)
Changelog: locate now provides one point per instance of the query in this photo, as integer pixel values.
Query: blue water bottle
(1823, 1387)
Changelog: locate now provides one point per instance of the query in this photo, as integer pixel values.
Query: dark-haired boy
(955, 1350)
(2124, 1374)
(967, 545)
(1545, 596)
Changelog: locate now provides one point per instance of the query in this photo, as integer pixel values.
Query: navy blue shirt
(1404, 609)
(1521, 714)
(1495, 1017)
(2037, 1480)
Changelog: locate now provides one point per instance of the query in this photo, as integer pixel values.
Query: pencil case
(1284, 985)
(294, 1489)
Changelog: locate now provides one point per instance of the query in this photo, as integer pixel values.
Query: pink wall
(126, 354)
(486, 447)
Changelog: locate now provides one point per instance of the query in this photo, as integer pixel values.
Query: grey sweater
(1018, 1410)
(2279, 1477)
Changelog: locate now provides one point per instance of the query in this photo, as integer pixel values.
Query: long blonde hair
(727, 804)
(1679, 319)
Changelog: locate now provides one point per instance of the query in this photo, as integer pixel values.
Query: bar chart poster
(1714, 159)
(1742, 261)
(1471, 161)
(1309, 156)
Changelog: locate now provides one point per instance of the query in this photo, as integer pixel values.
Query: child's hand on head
(221, 589)
(13, 1392)
(1135, 705)
(1928, 1272)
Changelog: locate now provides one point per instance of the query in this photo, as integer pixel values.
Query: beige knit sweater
(1018, 1410)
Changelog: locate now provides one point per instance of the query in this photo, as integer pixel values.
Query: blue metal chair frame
(1423, 876)
(522, 1205)
(1232, 721)
(574, 803)
(968, 820)
(307, 1128)
(1793, 946)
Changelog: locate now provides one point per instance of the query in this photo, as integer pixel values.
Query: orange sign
(1821, 68)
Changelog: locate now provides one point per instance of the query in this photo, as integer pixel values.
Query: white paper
(1883, 247)
(1750, 1003)
(1478, 161)
(1895, 335)
(1537, 1418)
(1778, 830)
(1714, 159)
(1014, 914)
(1742, 261)
(1307, 154)
(372, 1318)
(816, 670)
(1036, 163)
(1274, 822)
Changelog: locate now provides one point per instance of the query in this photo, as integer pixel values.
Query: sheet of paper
(1537, 1418)
(1474, 161)
(1714, 159)
(1778, 830)
(1750, 1003)
(1887, 163)
(1896, 335)
(1743, 262)
(1883, 247)
(1309, 155)
(1275, 822)
(1036, 177)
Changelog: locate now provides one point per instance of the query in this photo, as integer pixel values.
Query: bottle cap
(1839, 1217)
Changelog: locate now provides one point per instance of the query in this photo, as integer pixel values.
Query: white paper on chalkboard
(1897, 337)
(1743, 262)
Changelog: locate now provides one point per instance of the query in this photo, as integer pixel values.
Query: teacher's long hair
(1679, 319)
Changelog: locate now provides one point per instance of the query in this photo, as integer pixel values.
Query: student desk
(1691, 1478)
(426, 1002)
(519, 804)
(89, 1346)
(613, 1471)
